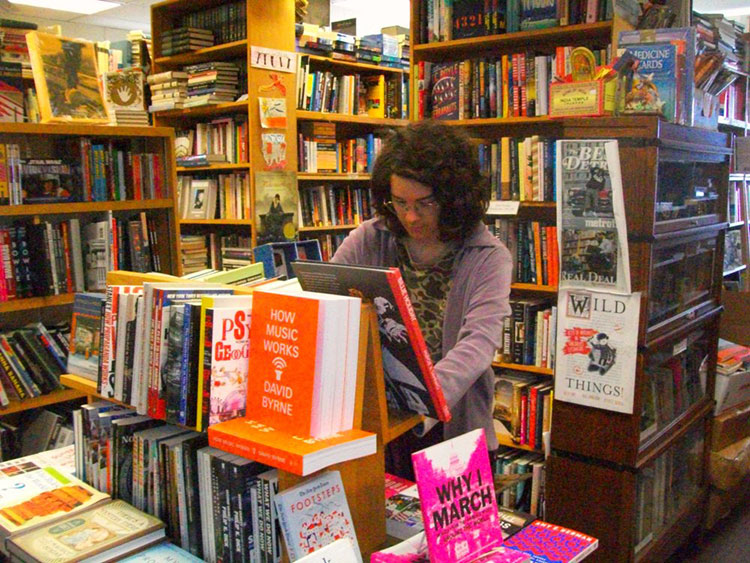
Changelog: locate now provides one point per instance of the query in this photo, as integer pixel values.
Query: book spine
(206, 367)
(279, 458)
(415, 335)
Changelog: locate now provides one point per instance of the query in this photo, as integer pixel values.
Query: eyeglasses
(421, 207)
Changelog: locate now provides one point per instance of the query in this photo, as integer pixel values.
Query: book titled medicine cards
(315, 513)
(457, 496)
(597, 336)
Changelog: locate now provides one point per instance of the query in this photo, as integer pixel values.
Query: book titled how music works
(300, 398)
(409, 372)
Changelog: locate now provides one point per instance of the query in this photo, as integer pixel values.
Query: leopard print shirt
(428, 289)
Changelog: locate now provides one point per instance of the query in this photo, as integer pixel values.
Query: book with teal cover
(654, 87)
(163, 553)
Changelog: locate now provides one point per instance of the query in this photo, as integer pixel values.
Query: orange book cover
(537, 251)
(283, 348)
(289, 451)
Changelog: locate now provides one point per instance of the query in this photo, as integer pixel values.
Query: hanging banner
(596, 352)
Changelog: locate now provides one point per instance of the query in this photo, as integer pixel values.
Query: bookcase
(638, 481)
(733, 119)
(267, 24)
(50, 142)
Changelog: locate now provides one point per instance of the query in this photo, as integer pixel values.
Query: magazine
(597, 348)
(411, 382)
(591, 216)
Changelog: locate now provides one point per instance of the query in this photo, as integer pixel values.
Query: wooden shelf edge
(247, 222)
(83, 207)
(218, 167)
(534, 287)
(86, 387)
(213, 52)
(327, 228)
(352, 64)
(507, 442)
(399, 423)
(52, 398)
(345, 118)
(104, 130)
(36, 302)
(335, 176)
(204, 110)
(520, 367)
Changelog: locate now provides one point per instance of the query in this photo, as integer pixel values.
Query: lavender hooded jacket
(472, 326)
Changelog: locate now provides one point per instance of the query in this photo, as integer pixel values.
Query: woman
(428, 195)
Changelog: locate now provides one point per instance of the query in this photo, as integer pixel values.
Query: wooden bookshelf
(521, 367)
(327, 228)
(508, 443)
(248, 222)
(49, 141)
(354, 66)
(220, 167)
(534, 287)
(209, 110)
(234, 49)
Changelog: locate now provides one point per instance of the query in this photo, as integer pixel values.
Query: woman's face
(416, 208)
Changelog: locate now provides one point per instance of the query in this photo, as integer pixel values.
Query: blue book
(162, 553)
(654, 87)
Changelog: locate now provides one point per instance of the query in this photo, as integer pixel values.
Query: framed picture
(66, 80)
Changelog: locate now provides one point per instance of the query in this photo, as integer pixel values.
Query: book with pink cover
(549, 543)
(457, 497)
(414, 550)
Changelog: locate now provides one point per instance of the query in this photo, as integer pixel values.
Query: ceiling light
(77, 6)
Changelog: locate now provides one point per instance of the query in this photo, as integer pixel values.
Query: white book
(76, 255)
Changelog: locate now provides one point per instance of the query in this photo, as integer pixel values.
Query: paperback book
(412, 384)
(83, 356)
(315, 513)
(548, 543)
(457, 495)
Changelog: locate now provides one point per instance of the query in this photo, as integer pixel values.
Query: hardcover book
(314, 514)
(457, 494)
(108, 530)
(444, 95)
(411, 382)
(548, 543)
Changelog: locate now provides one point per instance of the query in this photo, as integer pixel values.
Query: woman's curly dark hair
(442, 158)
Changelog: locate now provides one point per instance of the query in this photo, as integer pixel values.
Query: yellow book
(375, 96)
(505, 180)
(4, 194)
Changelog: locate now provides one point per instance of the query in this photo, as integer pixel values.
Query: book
(164, 552)
(403, 515)
(411, 381)
(549, 543)
(304, 361)
(457, 495)
(314, 514)
(654, 87)
(108, 531)
(289, 451)
(415, 550)
(11, 92)
(340, 550)
(83, 355)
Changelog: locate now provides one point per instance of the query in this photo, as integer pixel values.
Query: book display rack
(362, 477)
(110, 189)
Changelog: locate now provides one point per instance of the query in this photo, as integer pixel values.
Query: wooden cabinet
(652, 462)
(52, 303)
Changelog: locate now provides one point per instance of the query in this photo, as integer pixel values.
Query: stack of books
(184, 39)
(168, 90)
(211, 83)
(369, 50)
(124, 92)
(194, 253)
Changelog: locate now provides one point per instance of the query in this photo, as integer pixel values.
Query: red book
(548, 542)
(403, 346)
(531, 434)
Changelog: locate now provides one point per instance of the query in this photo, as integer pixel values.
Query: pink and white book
(549, 543)
(414, 550)
(457, 496)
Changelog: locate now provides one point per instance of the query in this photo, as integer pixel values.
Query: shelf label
(503, 207)
(273, 59)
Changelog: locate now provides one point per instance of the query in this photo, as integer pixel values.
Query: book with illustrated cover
(411, 382)
(11, 92)
(457, 494)
(414, 550)
(163, 553)
(549, 543)
(108, 530)
(314, 514)
(655, 87)
(444, 94)
(340, 550)
(83, 356)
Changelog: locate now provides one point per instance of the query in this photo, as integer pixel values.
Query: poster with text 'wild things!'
(597, 338)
